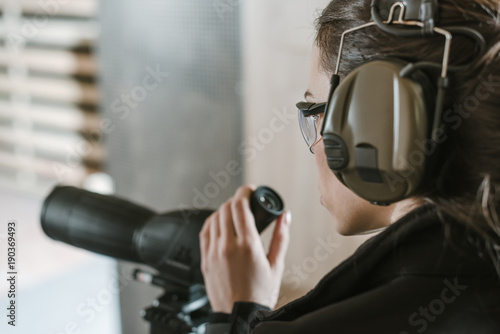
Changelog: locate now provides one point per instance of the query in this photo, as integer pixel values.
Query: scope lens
(269, 199)
(267, 202)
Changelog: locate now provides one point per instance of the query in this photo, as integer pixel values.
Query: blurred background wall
(74, 101)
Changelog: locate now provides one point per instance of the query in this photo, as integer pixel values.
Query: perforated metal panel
(164, 142)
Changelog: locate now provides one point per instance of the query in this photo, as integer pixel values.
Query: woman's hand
(233, 261)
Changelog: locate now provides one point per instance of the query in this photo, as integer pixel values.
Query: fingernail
(288, 218)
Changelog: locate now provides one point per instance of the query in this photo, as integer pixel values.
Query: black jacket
(421, 275)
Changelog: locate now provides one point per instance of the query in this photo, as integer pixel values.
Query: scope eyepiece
(266, 206)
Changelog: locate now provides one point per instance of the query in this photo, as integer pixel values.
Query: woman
(436, 266)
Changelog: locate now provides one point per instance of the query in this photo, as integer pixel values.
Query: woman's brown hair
(466, 185)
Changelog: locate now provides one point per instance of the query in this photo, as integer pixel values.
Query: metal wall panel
(166, 134)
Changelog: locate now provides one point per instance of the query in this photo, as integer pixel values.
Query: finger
(281, 238)
(214, 231)
(244, 191)
(226, 224)
(204, 237)
(244, 222)
(204, 234)
(239, 208)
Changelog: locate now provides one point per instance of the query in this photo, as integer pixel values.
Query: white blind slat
(61, 33)
(45, 168)
(54, 61)
(68, 118)
(69, 144)
(80, 8)
(55, 89)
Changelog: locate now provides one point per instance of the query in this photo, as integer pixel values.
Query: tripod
(180, 310)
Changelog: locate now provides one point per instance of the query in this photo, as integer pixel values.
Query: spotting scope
(115, 227)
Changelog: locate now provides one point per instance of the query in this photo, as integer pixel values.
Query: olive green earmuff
(383, 120)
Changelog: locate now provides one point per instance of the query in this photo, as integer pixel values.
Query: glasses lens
(308, 129)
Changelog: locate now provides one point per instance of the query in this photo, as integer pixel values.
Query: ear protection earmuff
(383, 121)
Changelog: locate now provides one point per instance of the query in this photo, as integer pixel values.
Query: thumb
(281, 237)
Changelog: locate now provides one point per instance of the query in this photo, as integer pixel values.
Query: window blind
(48, 95)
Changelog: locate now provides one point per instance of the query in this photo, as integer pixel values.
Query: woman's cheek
(335, 197)
(326, 178)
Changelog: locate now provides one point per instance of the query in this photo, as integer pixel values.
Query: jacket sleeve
(237, 321)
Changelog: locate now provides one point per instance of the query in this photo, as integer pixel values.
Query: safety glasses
(309, 121)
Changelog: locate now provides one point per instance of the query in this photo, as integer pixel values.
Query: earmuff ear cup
(376, 128)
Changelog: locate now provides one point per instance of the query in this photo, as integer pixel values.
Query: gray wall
(164, 139)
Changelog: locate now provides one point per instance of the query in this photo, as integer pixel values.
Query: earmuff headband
(398, 32)
(423, 11)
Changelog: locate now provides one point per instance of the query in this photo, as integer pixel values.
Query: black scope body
(116, 227)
